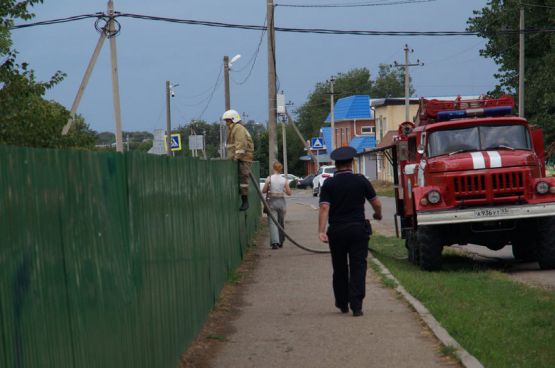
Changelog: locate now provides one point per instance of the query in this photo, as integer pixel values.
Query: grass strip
(501, 322)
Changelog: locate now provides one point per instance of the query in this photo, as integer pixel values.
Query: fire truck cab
(469, 172)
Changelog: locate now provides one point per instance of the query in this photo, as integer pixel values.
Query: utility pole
(227, 105)
(283, 132)
(406, 66)
(108, 31)
(272, 137)
(168, 120)
(332, 114)
(115, 78)
(521, 66)
(226, 83)
(84, 82)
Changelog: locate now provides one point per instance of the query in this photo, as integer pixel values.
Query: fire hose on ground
(276, 222)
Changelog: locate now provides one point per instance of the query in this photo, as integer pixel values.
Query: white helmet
(231, 115)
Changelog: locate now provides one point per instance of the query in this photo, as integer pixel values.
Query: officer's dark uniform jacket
(346, 194)
(348, 234)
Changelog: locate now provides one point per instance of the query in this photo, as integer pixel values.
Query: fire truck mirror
(420, 149)
(422, 146)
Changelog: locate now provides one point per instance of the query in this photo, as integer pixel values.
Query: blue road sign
(175, 142)
(316, 143)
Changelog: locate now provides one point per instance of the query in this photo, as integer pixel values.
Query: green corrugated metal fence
(111, 260)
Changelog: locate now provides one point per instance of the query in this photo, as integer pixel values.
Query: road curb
(466, 359)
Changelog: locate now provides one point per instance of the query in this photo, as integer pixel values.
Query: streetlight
(227, 67)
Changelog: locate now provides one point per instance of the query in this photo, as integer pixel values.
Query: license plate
(491, 212)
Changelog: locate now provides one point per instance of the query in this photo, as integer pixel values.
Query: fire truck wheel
(525, 250)
(429, 246)
(412, 248)
(546, 243)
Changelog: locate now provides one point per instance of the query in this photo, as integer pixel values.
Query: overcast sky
(152, 52)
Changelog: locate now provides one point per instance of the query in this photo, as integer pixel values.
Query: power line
(218, 81)
(58, 21)
(253, 59)
(353, 5)
(301, 30)
(281, 29)
(253, 27)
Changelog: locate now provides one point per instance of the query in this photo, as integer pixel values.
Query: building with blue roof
(354, 126)
(355, 107)
(353, 122)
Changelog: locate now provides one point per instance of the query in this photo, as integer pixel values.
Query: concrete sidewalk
(288, 318)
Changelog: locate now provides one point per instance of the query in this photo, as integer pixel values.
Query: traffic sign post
(175, 142)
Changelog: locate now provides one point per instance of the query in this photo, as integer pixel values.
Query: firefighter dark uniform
(239, 147)
(348, 231)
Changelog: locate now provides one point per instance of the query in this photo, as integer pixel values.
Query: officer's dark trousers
(349, 250)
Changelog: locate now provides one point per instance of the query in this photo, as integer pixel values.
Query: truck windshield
(478, 138)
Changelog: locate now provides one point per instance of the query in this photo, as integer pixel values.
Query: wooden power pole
(115, 78)
(272, 136)
(406, 66)
(109, 31)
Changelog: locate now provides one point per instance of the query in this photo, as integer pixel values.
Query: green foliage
(26, 118)
(10, 10)
(390, 83)
(503, 47)
(501, 322)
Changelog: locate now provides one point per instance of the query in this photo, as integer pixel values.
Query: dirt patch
(218, 326)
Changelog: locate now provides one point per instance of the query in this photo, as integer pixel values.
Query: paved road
(288, 318)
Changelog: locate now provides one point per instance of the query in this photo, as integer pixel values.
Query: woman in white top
(277, 186)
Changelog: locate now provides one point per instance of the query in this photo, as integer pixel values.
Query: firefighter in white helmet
(240, 148)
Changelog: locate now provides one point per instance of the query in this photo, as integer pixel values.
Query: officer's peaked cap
(343, 154)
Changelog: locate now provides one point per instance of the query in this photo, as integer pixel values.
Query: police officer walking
(240, 148)
(342, 199)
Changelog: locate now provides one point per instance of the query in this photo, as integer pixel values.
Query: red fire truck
(468, 171)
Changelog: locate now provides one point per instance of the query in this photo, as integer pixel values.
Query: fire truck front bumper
(480, 214)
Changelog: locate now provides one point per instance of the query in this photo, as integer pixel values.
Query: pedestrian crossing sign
(316, 143)
(175, 143)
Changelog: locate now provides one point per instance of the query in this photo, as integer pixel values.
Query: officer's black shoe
(244, 203)
(343, 309)
(275, 246)
(357, 313)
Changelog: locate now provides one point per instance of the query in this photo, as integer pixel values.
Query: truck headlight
(542, 187)
(434, 197)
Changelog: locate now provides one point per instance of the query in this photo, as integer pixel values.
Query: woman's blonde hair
(277, 166)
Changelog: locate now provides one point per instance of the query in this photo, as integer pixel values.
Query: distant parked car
(305, 182)
(290, 178)
(261, 182)
(323, 173)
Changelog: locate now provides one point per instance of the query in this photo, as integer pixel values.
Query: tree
(498, 22)
(390, 83)
(26, 118)
(11, 10)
